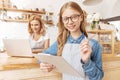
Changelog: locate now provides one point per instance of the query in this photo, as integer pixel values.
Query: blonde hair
(42, 27)
(63, 32)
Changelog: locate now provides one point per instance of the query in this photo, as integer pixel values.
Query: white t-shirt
(39, 44)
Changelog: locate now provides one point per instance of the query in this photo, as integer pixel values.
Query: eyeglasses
(73, 18)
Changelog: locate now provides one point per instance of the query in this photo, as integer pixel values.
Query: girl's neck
(75, 35)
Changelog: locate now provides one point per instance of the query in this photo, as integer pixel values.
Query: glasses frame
(71, 18)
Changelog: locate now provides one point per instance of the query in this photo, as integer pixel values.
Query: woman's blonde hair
(63, 32)
(42, 27)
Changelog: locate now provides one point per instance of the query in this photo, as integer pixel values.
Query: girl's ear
(84, 15)
(81, 17)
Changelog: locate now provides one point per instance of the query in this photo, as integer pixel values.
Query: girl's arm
(93, 68)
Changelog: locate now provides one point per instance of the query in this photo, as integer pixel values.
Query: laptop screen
(18, 47)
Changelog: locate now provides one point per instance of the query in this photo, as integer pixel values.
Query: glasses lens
(65, 20)
(73, 18)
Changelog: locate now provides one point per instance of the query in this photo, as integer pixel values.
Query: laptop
(18, 47)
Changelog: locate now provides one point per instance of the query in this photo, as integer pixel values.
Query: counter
(111, 66)
(16, 68)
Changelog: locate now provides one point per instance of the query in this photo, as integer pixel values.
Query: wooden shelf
(23, 21)
(27, 13)
(11, 20)
(100, 31)
(22, 10)
(104, 42)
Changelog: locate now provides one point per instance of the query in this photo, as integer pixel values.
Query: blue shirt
(93, 68)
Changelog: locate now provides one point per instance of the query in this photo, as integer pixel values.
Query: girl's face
(71, 19)
(35, 26)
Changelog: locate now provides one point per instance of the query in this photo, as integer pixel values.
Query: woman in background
(39, 40)
(85, 55)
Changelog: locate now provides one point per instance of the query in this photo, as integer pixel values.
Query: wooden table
(111, 66)
(16, 68)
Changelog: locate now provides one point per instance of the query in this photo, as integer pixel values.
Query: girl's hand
(86, 50)
(45, 67)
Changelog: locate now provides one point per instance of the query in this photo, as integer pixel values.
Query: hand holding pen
(86, 50)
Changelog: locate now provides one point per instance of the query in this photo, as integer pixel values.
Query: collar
(78, 40)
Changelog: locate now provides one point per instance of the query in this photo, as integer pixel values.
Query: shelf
(104, 55)
(106, 42)
(108, 53)
(23, 21)
(106, 39)
(22, 10)
(11, 20)
(25, 17)
(100, 31)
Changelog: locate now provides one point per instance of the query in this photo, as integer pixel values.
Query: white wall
(20, 30)
(107, 8)
(12, 30)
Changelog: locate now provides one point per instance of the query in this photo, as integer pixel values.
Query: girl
(72, 44)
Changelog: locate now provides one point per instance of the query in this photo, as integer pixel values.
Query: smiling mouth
(71, 27)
